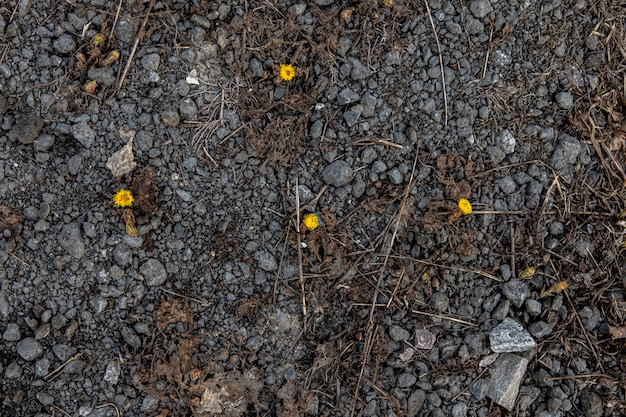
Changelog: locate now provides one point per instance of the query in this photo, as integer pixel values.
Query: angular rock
(347, 96)
(153, 272)
(516, 291)
(540, 329)
(130, 337)
(591, 404)
(398, 334)
(424, 339)
(406, 380)
(415, 402)
(29, 349)
(510, 336)
(71, 240)
(507, 373)
(112, 373)
(566, 152)
(337, 173)
(12, 333)
(507, 142)
(26, 128)
(565, 100)
(266, 260)
(480, 8)
(83, 134)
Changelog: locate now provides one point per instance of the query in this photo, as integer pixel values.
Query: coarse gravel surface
(209, 296)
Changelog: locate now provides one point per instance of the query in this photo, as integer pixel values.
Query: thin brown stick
(140, 35)
(582, 327)
(186, 297)
(60, 368)
(300, 271)
(117, 410)
(512, 232)
(443, 76)
(117, 16)
(467, 323)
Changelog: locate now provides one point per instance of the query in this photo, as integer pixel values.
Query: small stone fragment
(83, 134)
(337, 173)
(29, 349)
(480, 8)
(266, 260)
(26, 128)
(566, 152)
(506, 375)
(510, 336)
(565, 100)
(591, 404)
(424, 339)
(12, 333)
(71, 240)
(153, 272)
(398, 333)
(516, 291)
(112, 373)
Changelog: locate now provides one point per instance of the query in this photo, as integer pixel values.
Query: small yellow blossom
(123, 198)
(465, 206)
(287, 72)
(311, 221)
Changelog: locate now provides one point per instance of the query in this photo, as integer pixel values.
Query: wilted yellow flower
(311, 221)
(123, 198)
(465, 206)
(287, 72)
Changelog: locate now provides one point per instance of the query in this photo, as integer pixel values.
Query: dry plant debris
(9, 219)
(144, 187)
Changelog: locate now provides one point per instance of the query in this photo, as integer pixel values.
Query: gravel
(153, 272)
(29, 349)
(510, 336)
(337, 173)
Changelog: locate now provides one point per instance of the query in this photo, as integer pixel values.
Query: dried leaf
(110, 58)
(618, 332)
(9, 219)
(527, 273)
(553, 290)
(122, 162)
(172, 311)
(129, 219)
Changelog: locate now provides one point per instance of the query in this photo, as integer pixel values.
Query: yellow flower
(311, 221)
(287, 72)
(123, 198)
(465, 206)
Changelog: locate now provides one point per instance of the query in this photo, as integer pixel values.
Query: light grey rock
(43, 143)
(26, 128)
(459, 410)
(71, 240)
(395, 176)
(63, 352)
(13, 371)
(150, 62)
(187, 108)
(74, 164)
(64, 44)
(352, 115)
(12, 333)
(533, 307)
(266, 260)
(104, 76)
(153, 272)
(398, 333)
(44, 398)
(29, 349)
(424, 339)
(507, 142)
(480, 8)
(122, 254)
(5, 307)
(83, 134)
(406, 380)
(415, 403)
(125, 32)
(170, 118)
(337, 173)
(359, 71)
(323, 2)
(112, 372)
(507, 373)
(510, 336)
(42, 366)
(516, 291)
(591, 404)
(347, 96)
(507, 185)
(184, 195)
(565, 100)
(566, 152)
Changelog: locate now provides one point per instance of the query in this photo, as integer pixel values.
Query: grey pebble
(150, 62)
(266, 261)
(439, 301)
(184, 195)
(130, 337)
(591, 403)
(507, 373)
(424, 339)
(125, 32)
(352, 115)
(566, 152)
(26, 128)
(187, 108)
(254, 343)
(540, 329)
(516, 291)
(507, 141)
(71, 240)
(154, 272)
(459, 410)
(480, 8)
(122, 255)
(44, 398)
(43, 143)
(43, 331)
(507, 185)
(112, 372)
(510, 336)
(398, 333)
(29, 349)
(63, 352)
(317, 128)
(347, 96)
(12, 333)
(64, 44)
(406, 380)
(323, 2)
(395, 176)
(83, 134)
(337, 173)
(533, 307)
(104, 76)
(415, 402)
(565, 100)
(74, 164)
(42, 366)
(359, 71)
(13, 371)
(170, 118)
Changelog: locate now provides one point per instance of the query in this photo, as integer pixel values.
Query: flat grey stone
(507, 142)
(74, 164)
(540, 329)
(406, 380)
(480, 8)
(533, 307)
(398, 333)
(13, 371)
(266, 260)
(459, 410)
(566, 152)
(29, 349)
(424, 339)
(337, 173)
(12, 333)
(170, 118)
(83, 134)
(347, 96)
(516, 291)
(187, 108)
(104, 76)
(415, 403)
(122, 254)
(130, 337)
(591, 404)
(64, 44)
(507, 373)
(26, 128)
(565, 100)
(359, 71)
(352, 115)
(439, 301)
(510, 336)
(71, 240)
(150, 62)
(153, 272)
